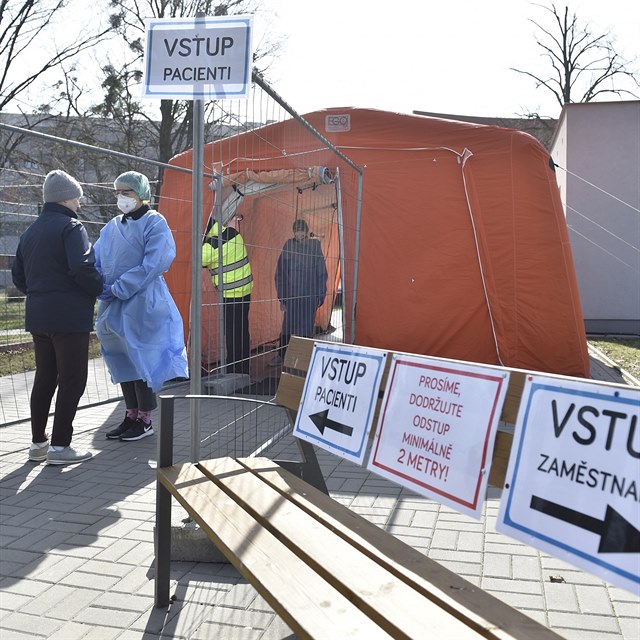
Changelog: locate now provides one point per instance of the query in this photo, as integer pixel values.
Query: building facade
(597, 149)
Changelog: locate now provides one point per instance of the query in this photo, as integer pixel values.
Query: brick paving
(77, 549)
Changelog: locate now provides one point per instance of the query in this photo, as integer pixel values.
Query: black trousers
(138, 395)
(62, 361)
(236, 333)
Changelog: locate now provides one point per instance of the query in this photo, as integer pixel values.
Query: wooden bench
(328, 572)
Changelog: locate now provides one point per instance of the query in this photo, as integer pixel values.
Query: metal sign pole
(196, 274)
(221, 324)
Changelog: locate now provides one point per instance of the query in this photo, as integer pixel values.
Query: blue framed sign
(573, 483)
(198, 58)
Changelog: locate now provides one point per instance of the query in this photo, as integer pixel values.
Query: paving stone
(12, 634)
(623, 609)
(55, 568)
(470, 541)
(444, 539)
(15, 569)
(47, 599)
(417, 533)
(141, 554)
(519, 600)
(213, 631)
(372, 513)
(630, 628)
(115, 551)
(277, 630)
(36, 541)
(36, 626)
(448, 555)
(496, 565)
(89, 580)
(426, 519)
(584, 622)
(97, 616)
(75, 551)
(465, 569)
(240, 595)
(582, 634)
(24, 587)
(70, 606)
(71, 631)
(526, 568)
(523, 586)
(179, 621)
(560, 597)
(13, 601)
(130, 634)
(594, 599)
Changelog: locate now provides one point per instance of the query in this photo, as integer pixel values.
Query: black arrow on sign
(617, 535)
(322, 422)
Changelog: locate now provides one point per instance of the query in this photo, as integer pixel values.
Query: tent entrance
(262, 206)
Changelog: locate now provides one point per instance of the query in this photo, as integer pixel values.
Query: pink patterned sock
(132, 414)
(145, 416)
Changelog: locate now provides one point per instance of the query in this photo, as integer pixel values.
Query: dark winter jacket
(55, 267)
(301, 272)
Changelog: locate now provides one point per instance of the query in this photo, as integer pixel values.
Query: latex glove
(107, 293)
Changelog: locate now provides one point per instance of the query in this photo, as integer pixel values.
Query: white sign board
(573, 482)
(339, 398)
(437, 428)
(197, 58)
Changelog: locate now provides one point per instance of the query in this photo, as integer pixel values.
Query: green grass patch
(625, 352)
(21, 358)
(11, 313)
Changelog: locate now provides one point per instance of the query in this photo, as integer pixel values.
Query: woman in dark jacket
(55, 267)
(301, 283)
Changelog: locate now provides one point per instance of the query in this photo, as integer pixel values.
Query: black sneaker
(125, 425)
(140, 429)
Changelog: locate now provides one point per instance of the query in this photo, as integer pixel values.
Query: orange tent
(463, 246)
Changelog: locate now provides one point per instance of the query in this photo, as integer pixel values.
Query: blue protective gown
(141, 331)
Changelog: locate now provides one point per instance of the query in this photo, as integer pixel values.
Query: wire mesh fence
(266, 173)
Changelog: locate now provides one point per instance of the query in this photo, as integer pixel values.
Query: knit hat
(59, 186)
(136, 182)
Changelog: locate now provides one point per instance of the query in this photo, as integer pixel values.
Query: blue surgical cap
(136, 182)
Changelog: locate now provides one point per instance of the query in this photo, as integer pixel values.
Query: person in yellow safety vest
(237, 283)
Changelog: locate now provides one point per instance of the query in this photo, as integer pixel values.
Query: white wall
(599, 146)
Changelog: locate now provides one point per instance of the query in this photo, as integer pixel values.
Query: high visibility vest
(237, 279)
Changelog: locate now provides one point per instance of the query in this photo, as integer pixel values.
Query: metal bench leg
(163, 545)
(163, 504)
(309, 469)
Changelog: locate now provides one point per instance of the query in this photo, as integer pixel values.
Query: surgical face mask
(126, 204)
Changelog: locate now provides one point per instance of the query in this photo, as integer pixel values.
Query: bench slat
(289, 391)
(392, 603)
(450, 591)
(306, 602)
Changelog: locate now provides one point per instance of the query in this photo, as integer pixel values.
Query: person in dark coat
(55, 267)
(301, 284)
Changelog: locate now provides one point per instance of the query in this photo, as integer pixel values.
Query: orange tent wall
(495, 286)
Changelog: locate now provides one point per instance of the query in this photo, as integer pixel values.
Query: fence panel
(265, 168)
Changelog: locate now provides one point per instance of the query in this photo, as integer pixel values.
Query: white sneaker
(38, 453)
(67, 456)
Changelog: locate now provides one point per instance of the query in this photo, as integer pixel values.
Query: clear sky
(451, 56)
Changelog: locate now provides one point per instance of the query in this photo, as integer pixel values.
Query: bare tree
(584, 63)
(25, 24)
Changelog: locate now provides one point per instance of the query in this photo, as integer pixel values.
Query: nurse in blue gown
(138, 324)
